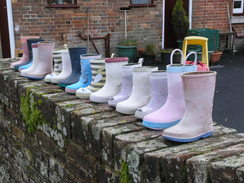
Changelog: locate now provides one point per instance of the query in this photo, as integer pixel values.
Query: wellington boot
(127, 83)
(44, 64)
(29, 44)
(35, 52)
(75, 54)
(25, 57)
(86, 74)
(159, 93)
(113, 80)
(197, 121)
(57, 66)
(173, 110)
(140, 94)
(66, 68)
(98, 79)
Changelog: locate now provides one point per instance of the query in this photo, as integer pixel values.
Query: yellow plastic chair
(197, 40)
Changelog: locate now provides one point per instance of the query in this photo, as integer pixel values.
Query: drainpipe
(163, 23)
(11, 28)
(190, 14)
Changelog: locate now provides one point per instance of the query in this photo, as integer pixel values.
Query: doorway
(170, 39)
(4, 31)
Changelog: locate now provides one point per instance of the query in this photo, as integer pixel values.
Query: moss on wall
(124, 174)
(30, 112)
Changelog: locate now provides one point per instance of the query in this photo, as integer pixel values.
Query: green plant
(31, 114)
(179, 20)
(150, 49)
(124, 174)
(169, 50)
(128, 42)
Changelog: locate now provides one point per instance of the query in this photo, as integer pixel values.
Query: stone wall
(50, 136)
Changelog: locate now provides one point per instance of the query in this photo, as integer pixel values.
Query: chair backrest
(197, 40)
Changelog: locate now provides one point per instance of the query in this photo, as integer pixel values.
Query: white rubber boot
(140, 95)
(66, 68)
(113, 80)
(35, 53)
(57, 66)
(159, 93)
(44, 64)
(127, 84)
(197, 121)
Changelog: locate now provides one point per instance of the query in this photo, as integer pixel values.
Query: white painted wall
(11, 28)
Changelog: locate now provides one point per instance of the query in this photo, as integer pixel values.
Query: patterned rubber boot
(57, 66)
(98, 79)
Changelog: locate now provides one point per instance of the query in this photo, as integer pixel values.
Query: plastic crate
(212, 35)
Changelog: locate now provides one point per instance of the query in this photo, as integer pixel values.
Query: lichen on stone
(124, 173)
(30, 112)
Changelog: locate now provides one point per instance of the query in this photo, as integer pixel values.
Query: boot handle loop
(172, 55)
(195, 58)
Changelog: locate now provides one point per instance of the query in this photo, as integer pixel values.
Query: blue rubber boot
(86, 74)
(75, 65)
(29, 43)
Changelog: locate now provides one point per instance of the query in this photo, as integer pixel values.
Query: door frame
(163, 20)
(11, 28)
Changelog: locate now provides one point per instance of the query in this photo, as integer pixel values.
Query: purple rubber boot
(159, 93)
(127, 84)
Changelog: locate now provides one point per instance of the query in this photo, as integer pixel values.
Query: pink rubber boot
(44, 64)
(25, 57)
(197, 121)
(126, 87)
(173, 110)
(140, 95)
(159, 93)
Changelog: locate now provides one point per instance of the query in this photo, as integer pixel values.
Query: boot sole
(190, 139)
(159, 126)
(35, 78)
(71, 91)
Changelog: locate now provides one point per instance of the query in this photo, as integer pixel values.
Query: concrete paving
(229, 97)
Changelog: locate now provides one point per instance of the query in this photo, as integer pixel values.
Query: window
(238, 6)
(62, 4)
(141, 3)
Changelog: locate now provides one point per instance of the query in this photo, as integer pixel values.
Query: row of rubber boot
(72, 68)
(178, 100)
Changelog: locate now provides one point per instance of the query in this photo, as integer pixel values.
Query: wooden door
(170, 39)
(4, 30)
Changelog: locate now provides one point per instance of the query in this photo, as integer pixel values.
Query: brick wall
(210, 14)
(32, 17)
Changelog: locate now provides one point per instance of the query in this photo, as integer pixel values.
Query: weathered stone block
(225, 170)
